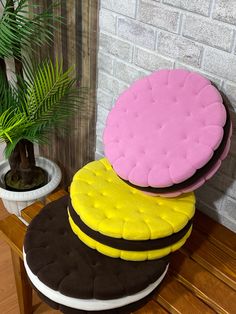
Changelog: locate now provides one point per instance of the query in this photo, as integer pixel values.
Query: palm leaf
(47, 98)
(18, 30)
(51, 97)
(12, 125)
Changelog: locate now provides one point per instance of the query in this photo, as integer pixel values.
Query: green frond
(51, 97)
(46, 96)
(20, 29)
(45, 100)
(13, 125)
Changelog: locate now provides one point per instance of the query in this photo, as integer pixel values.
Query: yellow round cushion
(108, 205)
(127, 255)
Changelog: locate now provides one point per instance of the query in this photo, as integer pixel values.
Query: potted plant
(42, 97)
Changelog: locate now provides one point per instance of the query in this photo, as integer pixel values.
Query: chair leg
(24, 290)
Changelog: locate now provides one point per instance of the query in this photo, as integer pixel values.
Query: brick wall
(139, 36)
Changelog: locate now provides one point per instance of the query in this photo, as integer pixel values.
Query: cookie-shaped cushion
(125, 254)
(61, 267)
(130, 245)
(107, 208)
(200, 179)
(127, 309)
(107, 205)
(164, 128)
(201, 175)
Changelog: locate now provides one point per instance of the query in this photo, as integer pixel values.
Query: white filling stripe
(89, 304)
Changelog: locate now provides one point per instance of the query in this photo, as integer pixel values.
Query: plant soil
(15, 182)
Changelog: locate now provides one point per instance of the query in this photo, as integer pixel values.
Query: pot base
(14, 182)
(14, 202)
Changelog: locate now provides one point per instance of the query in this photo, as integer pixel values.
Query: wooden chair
(201, 278)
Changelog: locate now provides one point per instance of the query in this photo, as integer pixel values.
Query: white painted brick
(136, 32)
(158, 15)
(116, 47)
(102, 114)
(151, 61)
(98, 156)
(229, 208)
(110, 84)
(105, 63)
(224, 183)
(120, 6)
(208, 32)
(127, 73)
(207, 209)
(214, 214)
(220, 63)
(107, 21)
(104, 99)
(99, 129)
(218, 195)
(230, 91)
(228, 166)
(230, 224)
(179, 48)
(99, 146)
(215, 80)
(196, 6)
(209, 195)
(225, 10)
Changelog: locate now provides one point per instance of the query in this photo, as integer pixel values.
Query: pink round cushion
(206, 176)
(164, 128)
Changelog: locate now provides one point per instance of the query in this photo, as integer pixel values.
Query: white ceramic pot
(14, 202)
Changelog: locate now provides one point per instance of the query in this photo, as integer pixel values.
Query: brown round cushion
(67, 272)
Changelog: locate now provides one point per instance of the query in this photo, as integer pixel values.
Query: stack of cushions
(106, 248)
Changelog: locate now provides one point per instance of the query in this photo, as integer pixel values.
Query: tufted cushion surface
(69, 270)
(108, 205)
(201, 175)
(164, 128)
(131, 245)
(125, 254)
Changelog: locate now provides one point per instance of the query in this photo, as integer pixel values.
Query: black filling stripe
(199, 173)
(128, 245)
